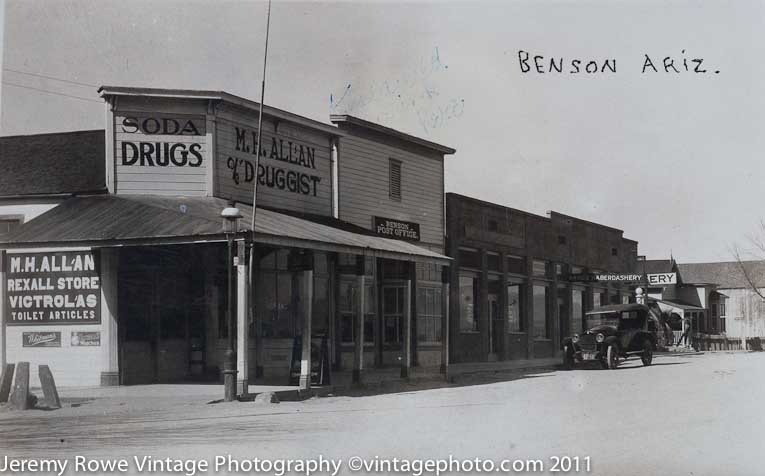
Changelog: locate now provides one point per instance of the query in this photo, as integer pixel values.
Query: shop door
(495, 334)
(137, 311)
(392, 323)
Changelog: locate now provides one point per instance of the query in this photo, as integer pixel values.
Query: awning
(678, 305)
(133, 220)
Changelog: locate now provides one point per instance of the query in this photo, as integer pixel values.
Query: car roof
(618, 308)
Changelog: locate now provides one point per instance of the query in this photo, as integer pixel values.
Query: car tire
(568, 357)
(647, 355)
(612, 356)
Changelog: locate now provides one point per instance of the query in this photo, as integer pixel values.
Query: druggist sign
(53, 288)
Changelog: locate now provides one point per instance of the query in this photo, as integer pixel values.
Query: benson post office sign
(401, 230)
(53, 288)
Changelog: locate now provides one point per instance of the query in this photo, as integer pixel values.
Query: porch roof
(134, 220)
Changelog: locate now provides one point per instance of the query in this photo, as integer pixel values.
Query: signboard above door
(397, 229)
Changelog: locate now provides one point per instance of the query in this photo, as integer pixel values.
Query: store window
(539, 268)
(469, 258)
(577, 311)
(515, 321)
(468, 299)
(393, 314)
(493, 262)
(516, 264)
(348, 308)
(541, 321)
(596, 293)
(429, 314)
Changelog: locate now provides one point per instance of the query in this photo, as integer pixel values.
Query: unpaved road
(693, 415)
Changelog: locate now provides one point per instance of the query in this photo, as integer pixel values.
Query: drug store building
(130, 286)
(511, 294)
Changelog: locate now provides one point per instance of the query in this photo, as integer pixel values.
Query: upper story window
(395, 179)
(562, 239)
(614, 252)
(539, 268)
(8, 224)
(493, 225)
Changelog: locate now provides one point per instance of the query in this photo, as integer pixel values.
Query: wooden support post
(3, 309)
(110, 376)
(19, 399)
(553, 304)
(445, 273)
(358, 338)
(305, 361)
(406, 345)
(6, 380)
(242, 319)
(529, 308)
(49, 387)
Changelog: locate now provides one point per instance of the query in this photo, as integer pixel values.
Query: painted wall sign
(402, 230)
(161, 141)
(660, 279)
(160, 153)
(86, 339)
(293, 172)
(53, 288)
(41, 339)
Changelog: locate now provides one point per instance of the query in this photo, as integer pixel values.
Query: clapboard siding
(363, 186)
(139, 177)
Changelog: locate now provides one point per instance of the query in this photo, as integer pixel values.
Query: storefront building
(511, 296)
(131, 286)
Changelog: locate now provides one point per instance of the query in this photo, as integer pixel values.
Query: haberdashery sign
(53, 288)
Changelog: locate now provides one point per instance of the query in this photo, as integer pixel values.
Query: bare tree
(751, 304)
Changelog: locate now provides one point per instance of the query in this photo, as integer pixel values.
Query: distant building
(716, 299)
(512, 295)
(40, 171)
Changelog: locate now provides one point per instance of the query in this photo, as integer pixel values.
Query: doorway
(495, 326)
(162, 312)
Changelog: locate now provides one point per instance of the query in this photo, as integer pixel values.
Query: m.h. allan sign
(53, 288)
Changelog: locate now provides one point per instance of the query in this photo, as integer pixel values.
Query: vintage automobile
(613, 332)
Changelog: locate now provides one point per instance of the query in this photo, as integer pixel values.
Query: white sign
(661, 279)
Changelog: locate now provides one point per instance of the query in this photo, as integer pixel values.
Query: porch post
(529, 307)
(242, 321)
(358, 338)
(3, 317)
(110, 375)
(406, 345)
(305, 361)
(445, 273)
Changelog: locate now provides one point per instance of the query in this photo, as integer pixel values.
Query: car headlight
(600, 338)
(575, 338)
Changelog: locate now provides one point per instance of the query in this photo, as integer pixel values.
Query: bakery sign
(53, 288)
(402, 230)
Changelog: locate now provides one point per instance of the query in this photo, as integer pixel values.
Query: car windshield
(621, 320)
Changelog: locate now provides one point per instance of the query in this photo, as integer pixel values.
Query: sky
(668, 155)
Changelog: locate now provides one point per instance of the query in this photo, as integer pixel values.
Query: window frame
(395, 165)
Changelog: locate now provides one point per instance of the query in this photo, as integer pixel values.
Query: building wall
(744, 313)
(71, 365)
(363, 186)
(557, 240)
(158, 147)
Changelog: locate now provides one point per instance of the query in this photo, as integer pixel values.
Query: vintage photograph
(273, 237)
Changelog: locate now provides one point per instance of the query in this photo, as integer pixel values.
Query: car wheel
(647, 355)
(568, 357)
(612, 356)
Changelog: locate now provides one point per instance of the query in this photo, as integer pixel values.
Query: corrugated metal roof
(119, 220)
